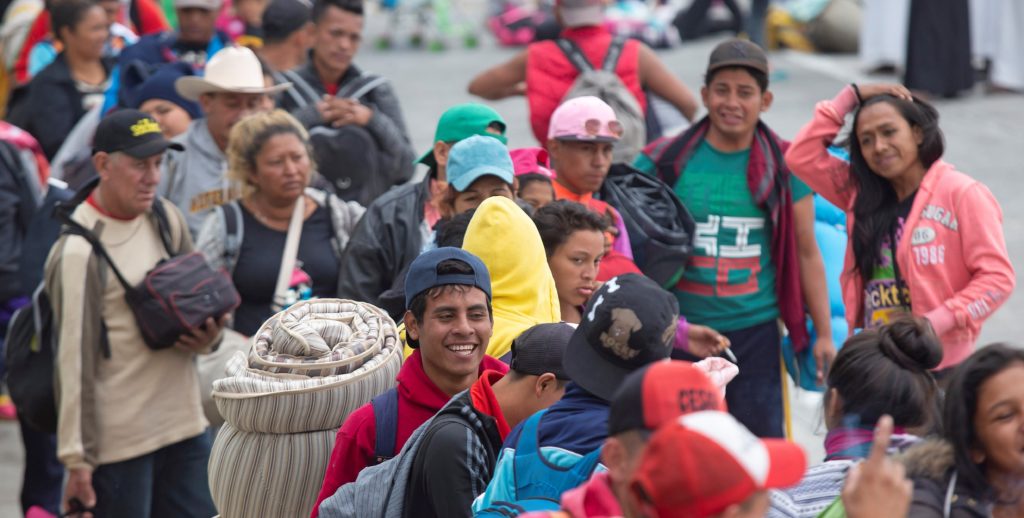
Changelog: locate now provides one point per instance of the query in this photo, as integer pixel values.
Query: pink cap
(528, 160)
(585, 118)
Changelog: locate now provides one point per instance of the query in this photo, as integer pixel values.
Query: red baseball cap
(701, 463)
(660, 393)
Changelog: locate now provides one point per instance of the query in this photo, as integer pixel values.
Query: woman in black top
(269, 152)
(76, 80)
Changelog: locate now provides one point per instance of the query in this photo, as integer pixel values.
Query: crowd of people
(548, 371)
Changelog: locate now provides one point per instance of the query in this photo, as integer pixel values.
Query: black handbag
(177, 296)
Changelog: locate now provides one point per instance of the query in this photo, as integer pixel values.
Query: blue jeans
(755, 395)
(170, 482)
(43, 479)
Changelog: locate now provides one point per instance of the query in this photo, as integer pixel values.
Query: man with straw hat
(231, 88)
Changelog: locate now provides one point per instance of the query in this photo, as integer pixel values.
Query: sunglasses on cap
(593, 127)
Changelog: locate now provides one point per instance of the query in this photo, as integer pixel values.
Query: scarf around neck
(768, 180)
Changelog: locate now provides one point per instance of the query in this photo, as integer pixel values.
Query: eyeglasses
(593, 127)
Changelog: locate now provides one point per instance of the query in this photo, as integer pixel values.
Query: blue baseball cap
(477, 156)
(423, 272)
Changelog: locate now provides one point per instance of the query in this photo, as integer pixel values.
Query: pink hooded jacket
(954, 259)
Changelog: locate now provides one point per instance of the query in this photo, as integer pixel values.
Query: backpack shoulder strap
(303, 93)
(385, 415)
(527, 450)
(331, 202)
(611, 59)
(163, 226)
(63, 212)
(233, 232)
(575, 55)
(360, 86)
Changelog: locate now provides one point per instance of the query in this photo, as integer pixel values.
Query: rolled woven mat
(309, 367)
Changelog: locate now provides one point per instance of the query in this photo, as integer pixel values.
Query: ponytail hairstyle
(876, 204)
(886, 370)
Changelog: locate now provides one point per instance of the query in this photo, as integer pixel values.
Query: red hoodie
(418, 400)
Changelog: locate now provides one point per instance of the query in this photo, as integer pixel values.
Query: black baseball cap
(281, 18)
(738, 53)
(133, 133)
(628, 323)
(540, 349)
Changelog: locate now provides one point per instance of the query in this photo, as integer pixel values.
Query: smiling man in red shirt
(449, 323)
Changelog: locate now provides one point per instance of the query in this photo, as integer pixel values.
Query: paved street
(983, 135)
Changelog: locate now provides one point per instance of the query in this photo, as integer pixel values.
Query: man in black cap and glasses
(131, 430)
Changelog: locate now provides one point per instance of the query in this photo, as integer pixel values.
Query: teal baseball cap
(477, 156)
(461, 121)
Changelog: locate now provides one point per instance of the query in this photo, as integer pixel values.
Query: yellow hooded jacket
(523, 292)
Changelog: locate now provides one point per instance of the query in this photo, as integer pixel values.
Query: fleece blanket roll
(309, 367)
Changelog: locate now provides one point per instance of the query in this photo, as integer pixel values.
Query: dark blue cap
(423, 272)
(160, 85)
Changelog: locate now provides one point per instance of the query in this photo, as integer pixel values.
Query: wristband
(860, 100)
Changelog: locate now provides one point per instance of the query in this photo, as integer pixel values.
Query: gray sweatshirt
(195, 179)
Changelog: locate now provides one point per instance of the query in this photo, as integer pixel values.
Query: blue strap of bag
(385, 415)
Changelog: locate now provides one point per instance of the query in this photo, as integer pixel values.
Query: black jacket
(387, 126)
(386, 240)
(931, 466)
(454, 463)
(53, 105)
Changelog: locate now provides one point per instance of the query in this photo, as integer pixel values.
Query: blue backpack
(538, 484)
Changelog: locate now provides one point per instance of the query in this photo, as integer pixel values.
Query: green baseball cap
(462, 121)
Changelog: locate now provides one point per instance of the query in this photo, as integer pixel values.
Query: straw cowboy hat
(235, 70)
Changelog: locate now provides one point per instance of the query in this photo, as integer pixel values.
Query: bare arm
(812, 281)
(655, 77)
(505, 80)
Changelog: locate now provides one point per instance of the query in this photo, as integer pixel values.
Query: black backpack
(333, 148)
(660, 227)
(30, 340)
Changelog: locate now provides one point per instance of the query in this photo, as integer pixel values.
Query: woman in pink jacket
(950, 263)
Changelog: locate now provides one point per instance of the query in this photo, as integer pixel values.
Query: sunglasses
(593, 127)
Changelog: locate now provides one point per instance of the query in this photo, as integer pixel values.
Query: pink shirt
(953, 256)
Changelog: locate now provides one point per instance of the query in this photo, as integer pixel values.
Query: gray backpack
(379, 491)
(604, 84)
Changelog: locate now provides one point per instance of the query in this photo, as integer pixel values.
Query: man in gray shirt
(195, 179)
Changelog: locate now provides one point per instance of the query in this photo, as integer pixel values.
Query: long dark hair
(886, 371)
(962, 404)
(876, 204)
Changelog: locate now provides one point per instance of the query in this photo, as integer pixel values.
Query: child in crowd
(534, 176)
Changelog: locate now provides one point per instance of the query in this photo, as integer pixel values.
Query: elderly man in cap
(233, 87)
(544, 72)
(131, 430)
